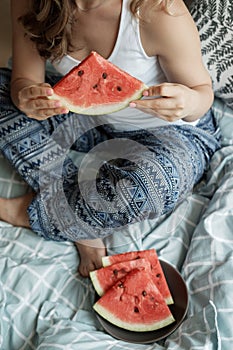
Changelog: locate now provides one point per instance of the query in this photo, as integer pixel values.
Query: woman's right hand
(34, 101)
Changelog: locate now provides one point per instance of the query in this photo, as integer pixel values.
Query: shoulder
(167, 28)
(150, 8)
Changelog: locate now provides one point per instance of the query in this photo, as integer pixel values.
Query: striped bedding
(45, 304)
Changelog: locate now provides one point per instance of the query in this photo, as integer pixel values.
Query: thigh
(135, 176)
(164, 164)
(36, 148)
(28, 143)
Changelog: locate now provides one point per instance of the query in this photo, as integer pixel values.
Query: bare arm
(29, 91)
(27, 66)
(175, 40)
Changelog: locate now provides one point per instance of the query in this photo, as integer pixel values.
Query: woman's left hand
(167, 101)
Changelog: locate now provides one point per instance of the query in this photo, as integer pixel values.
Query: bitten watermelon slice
(96, 86)
(134, 303)
(157, 272)
(106, 277)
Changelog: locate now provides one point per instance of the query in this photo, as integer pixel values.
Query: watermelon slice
(96, 86)
(157, 272)
(134, 303)
(106, 277)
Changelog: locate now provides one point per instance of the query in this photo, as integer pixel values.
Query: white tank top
(129, 55)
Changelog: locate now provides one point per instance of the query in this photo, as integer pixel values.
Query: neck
(89, 5)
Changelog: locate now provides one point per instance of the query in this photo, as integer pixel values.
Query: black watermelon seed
(136, 309)
(95, 86)
(119, 88)
(80, 73)
(144, 293)
(104, 75)
(115, 272)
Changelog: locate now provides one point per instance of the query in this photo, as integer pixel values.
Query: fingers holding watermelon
(167, 101)
(35, 103)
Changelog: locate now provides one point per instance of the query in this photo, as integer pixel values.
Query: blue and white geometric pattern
(46, 305)
(146, 172)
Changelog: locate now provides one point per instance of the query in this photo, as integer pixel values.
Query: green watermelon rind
(106, 260)
(140, 327)
(95, 281)
(169, 300)
(99, 109)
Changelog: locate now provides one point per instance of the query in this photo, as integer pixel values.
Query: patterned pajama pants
(122, 178)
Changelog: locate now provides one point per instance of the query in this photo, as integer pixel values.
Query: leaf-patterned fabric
(214, 20)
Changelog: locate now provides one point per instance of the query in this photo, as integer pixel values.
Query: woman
(170, 133)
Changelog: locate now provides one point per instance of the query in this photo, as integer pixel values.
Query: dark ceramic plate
(179, 308)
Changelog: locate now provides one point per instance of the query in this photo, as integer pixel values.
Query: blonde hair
(48, 24)
(137, 4)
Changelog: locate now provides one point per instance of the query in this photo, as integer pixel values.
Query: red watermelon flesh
(157, 272)
(96, 86)
(106, 277)
(134, 303)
